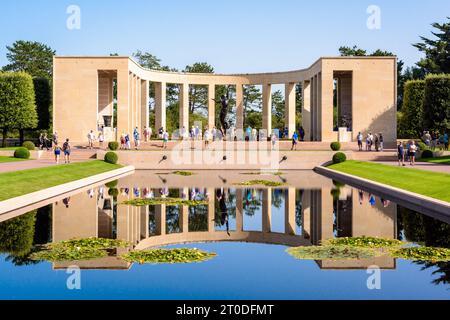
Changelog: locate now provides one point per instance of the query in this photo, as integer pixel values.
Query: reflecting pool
(249, 228)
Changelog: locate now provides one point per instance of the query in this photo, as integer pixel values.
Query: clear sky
(232, 35)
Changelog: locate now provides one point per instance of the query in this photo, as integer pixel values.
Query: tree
(411, 122)
(355, 51)
(17, 102)
(34, 58)
(437, 51)
(16, 235)
(198, 95)
(436, 103)
(43, 96)
(278, 110)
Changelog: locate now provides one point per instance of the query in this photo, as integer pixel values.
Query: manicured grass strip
(439, 160)
(18, 183)
(10, 159)
(427, 183)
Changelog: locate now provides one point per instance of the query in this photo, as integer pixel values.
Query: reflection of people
(372, 200)
(361, 197)
(66, 202)
(221, 195)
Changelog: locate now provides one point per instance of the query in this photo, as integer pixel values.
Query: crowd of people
(435, 140)
(65, 148)
(372, 141)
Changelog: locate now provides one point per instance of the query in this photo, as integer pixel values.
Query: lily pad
(266, 183)
(364, 242)
(331, 253)
(422, 254)
(166, 201)
(171, 256)
(183, 173)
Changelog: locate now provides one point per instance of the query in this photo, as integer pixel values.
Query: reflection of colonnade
(322, 217)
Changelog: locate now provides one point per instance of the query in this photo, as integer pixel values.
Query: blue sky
(232, 35)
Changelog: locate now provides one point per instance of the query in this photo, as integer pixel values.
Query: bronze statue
(223, 115)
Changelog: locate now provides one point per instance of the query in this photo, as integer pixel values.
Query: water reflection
(281, 216)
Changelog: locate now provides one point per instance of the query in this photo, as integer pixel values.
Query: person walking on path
(302, 134)
(91, 139)
(55, 138)
(101, 139)
(165, 137)
(381, 142)
(294, 141)
(57, 151)
(412, 153)
(360, 141)
(136, 138)
(127, 142)
(401, 154)
(46, 142)
(67, 150)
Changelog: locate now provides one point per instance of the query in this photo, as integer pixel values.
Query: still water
(248, 228)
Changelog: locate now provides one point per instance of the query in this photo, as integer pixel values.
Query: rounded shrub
(335, 146)
(114, 192)
(29, 145)
(427, 154)
(335, 193)
(111, 157)
(422, 146)
(22, 153)
(339, 157)
(112, 184)
(113, 145)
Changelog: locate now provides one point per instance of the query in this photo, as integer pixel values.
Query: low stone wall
(19, 205)
(414, 201)
(214, 160)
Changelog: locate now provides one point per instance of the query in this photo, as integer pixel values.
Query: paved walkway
(435, 167)
(24, 165)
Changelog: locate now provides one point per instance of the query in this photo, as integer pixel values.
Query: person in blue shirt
(446, 141)
(294, 141)
(401, 154)
(136, 138)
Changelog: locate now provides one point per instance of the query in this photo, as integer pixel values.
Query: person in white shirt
(91, 139)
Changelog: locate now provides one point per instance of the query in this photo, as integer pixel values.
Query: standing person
(122, 141)
(294, 141)
(101, 139)
(445, 141)
(165, 139)
(91, 138)
(254, 134)
(381, 142)
(434, 137)
(207, 138)
(55, 138)
(302, 134)
(412, 153)
(67, 150)
(57, 151)
(273, 139)
(46, 142)
(214, 133)
(41, 141)
(160, 132)
(377, 143)
(150, 133)
(127, 142)
(401, 154)
(359, 137)
(145, 134)
(136, 138)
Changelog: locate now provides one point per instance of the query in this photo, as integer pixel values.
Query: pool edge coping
(429, 203)
(29, 199)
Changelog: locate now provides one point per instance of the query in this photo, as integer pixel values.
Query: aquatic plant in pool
(157, 256)
(266, 183)
(183, 173)
(166, 201)
(331, 253)
(77, 249)
(422, 254)
(363, 242)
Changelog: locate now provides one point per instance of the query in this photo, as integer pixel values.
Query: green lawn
(8, 148)
(10, 159)
(431, 184)
(14, 184)
(439, 160)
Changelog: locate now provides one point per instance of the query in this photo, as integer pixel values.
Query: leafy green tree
(354, 51)
(43, 96)
(31, 57)
(278, 110)
(437, 51)
(198, 95)
(16, 235)
(411, 121)
(436, 103)
(17, 103)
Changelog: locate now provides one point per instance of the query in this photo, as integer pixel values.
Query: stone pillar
(184, 212)
(239, 210)
(145, 112)
(306, 109)
(289, 211)
(239, 107)
(184, 106)
(267, 108)
(314, 115)
(160, 219)
(160, 106)
(122, 102)
(290, 107)
(306, 214)
(144, 222)
(138, 110)
(267, 210)
(211, 106)
(133, 103)
(323, 117)
(211, 211)
(326, 93)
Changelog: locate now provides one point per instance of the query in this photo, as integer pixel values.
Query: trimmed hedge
(436, 103)
(113, 145)
(335, 146)
(112, 184)
(339, 157)
(22, 153)
(411, 122)
(427, 154)
(111, 157)
(29, 145)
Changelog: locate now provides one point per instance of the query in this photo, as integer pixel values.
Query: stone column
(289, 210)
(184, 106)
(133, 103)
(160, 106)
(320, 113)
(160, 219)
(122, 102)
(267, 210)
(211, 210)
(239, 107)
(326, 92)
(306, 214)
(306, 109)
(314, 113)
(211, 106)
(145, 112)
(239, 210)
(144, 222)
(290, 107)
(267, 108)
(184, 212)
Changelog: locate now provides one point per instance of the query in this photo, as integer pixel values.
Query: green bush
(29, 145)
(335, 146)
(22, 153)
(114, 192)
(112, 184)
(427, 154)
(436, 103)
(422, 146)
(111, 157)
(411, 121)
(113, 145)
(339, 157)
